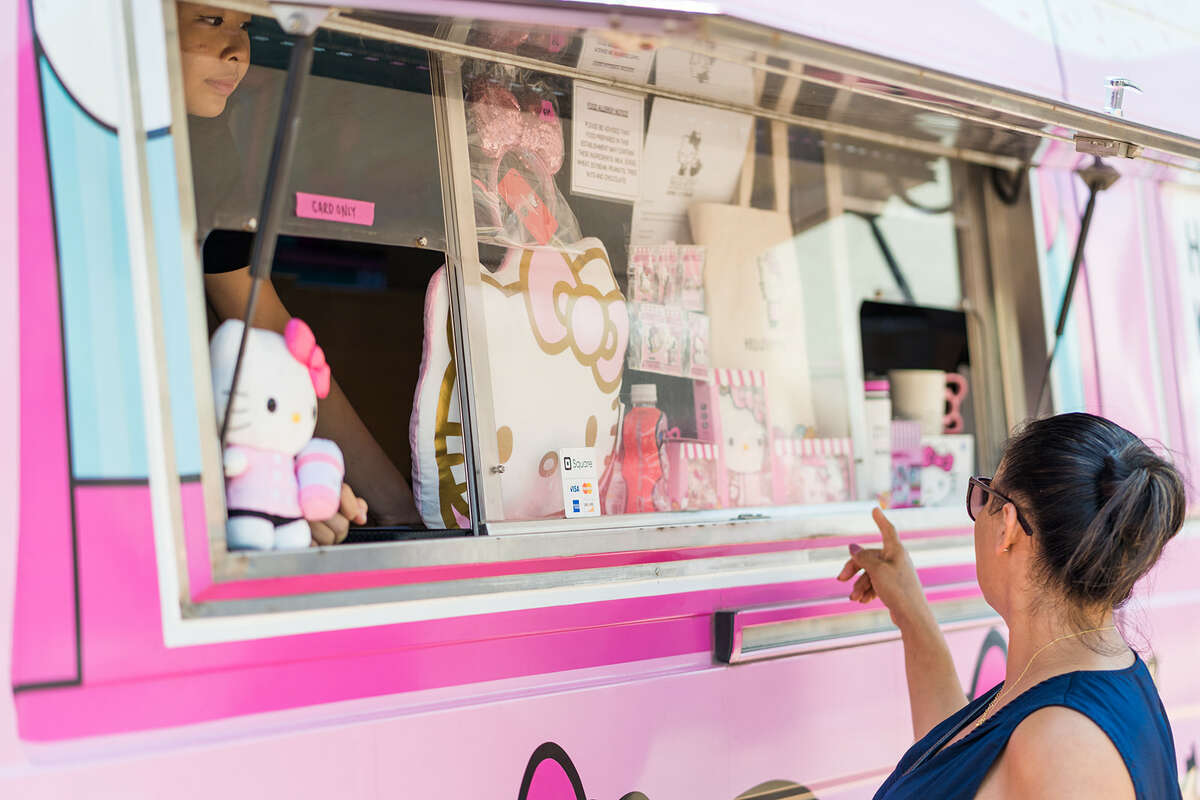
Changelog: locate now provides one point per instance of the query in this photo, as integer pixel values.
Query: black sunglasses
(978, 488)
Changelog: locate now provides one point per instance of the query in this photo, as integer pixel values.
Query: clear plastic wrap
(516, 145)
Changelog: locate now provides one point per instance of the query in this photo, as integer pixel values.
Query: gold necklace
(983, 717)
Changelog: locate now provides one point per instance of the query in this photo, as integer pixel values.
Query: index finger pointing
(891, 540)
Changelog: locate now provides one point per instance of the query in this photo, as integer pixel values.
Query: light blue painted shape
(168, 247)
(1066, 373)
(104, 398)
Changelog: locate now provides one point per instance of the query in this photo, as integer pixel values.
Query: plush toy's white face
(276, 405)
(745, 438)
(936, 484)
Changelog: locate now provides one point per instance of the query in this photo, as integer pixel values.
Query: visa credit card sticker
(580, 481)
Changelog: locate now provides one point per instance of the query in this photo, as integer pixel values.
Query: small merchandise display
(643, 278)
(698, 364)
(947, 462)
(658, 338)
(692, 475)
(906, 465)
(666, 266)
(741, 426)
(811, 471)
(670, 334)
(654, 274)
(691, 273)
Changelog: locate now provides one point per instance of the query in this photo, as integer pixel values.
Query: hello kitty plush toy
(277, 477)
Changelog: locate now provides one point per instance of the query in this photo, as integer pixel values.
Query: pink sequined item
(501, 124)
(498, 37)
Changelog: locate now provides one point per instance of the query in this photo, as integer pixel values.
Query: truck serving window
(603, 303)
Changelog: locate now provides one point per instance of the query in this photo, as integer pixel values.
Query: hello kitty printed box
(812, 471)
(693, 474)
(731, 411)
(947, 462)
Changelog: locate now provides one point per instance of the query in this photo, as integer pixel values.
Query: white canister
(879, 437)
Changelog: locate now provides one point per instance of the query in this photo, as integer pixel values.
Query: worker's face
(215, 51)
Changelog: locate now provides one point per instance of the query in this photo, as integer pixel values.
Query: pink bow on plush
(303, 346)
(930, 458)
(502, 125)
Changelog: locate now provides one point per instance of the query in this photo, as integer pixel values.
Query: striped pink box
(813, 471)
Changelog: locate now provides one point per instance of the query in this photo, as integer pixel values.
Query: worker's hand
(335, 529)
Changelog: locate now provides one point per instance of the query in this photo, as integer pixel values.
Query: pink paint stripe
(134, 682)
(195, 535)
(282, 674)
(44, 624)
(309, 584)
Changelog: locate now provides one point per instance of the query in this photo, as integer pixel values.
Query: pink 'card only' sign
(334, 209)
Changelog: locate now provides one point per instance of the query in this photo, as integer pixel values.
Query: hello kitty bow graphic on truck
(550, 774)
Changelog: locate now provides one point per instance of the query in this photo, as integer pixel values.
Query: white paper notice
(580, 481)
(606, 143)
(601, 56)
(693, 154)
(704, 75)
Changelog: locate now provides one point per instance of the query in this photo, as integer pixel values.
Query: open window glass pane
(680, 286)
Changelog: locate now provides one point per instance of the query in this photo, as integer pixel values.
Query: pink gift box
(693, 474)
(732, 411)
(812, 471)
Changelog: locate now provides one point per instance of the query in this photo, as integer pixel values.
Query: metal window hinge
(1114, 148)
(1114, 105)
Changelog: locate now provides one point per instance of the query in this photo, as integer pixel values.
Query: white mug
(922, 395)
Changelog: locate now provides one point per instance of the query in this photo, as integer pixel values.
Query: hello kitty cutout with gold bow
(557, 331)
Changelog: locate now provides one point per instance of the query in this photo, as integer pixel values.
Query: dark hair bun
(1102, 504)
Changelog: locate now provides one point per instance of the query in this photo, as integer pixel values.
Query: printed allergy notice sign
(606, 143)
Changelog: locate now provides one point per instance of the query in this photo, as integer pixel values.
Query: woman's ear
(1012, 531)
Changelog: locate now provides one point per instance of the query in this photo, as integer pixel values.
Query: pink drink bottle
(643, 456)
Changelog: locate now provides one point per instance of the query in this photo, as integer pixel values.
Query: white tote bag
(752, 282)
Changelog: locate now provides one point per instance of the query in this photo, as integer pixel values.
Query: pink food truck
(622, 317)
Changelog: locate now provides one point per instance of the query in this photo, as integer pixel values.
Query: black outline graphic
(39, 56)
(550, 751)
(993, 639)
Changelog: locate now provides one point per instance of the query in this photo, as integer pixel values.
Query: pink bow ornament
(502, 125)
(302, 344)
(930, 458)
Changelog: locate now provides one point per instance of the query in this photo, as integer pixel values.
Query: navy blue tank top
(1123, 702)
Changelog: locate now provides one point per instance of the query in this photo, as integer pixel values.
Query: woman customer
(1078, 511)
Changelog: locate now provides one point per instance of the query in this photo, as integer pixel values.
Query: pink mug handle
(952, 422)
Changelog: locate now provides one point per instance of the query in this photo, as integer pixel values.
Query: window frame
(220, 592)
